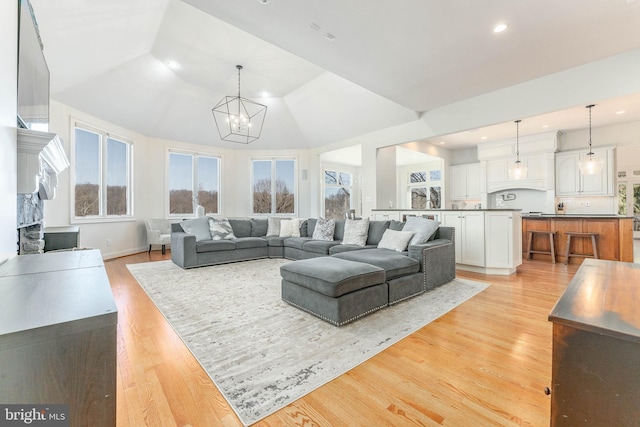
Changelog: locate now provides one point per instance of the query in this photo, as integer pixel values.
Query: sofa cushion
(338, 231)
(275, 240)
(393, 263)
(319, 246)
(395, 240)
(250, 242)
(241, 227)
(199, 227)
(332, 277)
(348, 248)
(215, 246)
(396, 225)
(423, 228)
(259, 227)
(356, 232)
(290, 227)
(296, 242)
(303, 228)
(273, 225)
(376, 230)
(324, 229)
(220, 229)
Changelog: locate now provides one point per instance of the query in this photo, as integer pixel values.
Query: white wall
(8, 145)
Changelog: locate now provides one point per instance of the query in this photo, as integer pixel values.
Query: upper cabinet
(537, 177)
(570, 182)
(465, 182)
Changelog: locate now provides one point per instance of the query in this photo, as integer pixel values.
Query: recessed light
(172, 64)
(500, 28)
(442, 142)
(545, 126)
(265, 94)
(264, 1)
(620, 112)
(483, 137)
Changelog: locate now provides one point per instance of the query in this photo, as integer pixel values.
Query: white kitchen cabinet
(465, 182)
(570, 182)
(486, 241)
(385, 215)
(469, 235)
(498, 173)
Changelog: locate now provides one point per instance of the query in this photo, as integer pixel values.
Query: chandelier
(588, 164)
(517, 170)
(239, 119)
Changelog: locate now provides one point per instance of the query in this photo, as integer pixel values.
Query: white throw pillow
(273, 226)
(324, 229)
(395, 240)
(422, 227)
(356, 232)
(220, 229)
(199, 227)
(290, 228)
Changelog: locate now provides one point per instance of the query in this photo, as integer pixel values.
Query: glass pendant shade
(517, 170)
(239, 119)
(590, 165)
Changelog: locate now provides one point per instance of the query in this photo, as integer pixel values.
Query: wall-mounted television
(33, 73)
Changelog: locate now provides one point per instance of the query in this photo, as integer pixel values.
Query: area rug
(263, 353)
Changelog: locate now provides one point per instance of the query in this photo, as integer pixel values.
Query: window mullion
(103, 175)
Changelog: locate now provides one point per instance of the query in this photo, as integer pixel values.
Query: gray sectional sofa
(350, 282)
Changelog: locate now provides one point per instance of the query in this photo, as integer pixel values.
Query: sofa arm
(437, 261)
(445, 233)
(153, 237)
(183, 249)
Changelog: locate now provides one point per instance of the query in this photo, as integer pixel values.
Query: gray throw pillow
(220, 229)
(356, 232)
(422, 227)
(395, 240)
(273, 227)
(324, 229)
(199, 227)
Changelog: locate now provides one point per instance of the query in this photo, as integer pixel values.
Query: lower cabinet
(486, 241)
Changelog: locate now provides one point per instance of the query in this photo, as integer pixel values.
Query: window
(102, 174)
(337, 193)
(194, 179)
(273, 186)
(418, 190)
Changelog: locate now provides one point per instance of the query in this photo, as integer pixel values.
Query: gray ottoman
(335, 290)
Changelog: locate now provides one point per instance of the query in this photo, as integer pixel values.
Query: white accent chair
(158, 233)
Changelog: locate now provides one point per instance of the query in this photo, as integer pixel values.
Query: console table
(58, 335)
(596, 347)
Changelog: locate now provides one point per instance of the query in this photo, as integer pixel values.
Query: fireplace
(41, 158)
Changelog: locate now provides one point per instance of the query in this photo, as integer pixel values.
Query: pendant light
(517, 170)
(239, 119)
(588, 164)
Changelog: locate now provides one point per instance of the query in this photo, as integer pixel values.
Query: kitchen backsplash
(588, 205)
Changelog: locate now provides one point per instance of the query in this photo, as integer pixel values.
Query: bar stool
(551, 252)
(571, 234)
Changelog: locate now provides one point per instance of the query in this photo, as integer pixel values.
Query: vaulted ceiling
(332, 70)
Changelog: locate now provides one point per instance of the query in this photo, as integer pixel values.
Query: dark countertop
(580, 216)
(446, 210)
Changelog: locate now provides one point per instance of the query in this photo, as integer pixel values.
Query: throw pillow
(220, 229)
(199, 227)
(356, 232)
(273, 227)
(290, 228)
(422, 227)
(324, 229)
(395, 240)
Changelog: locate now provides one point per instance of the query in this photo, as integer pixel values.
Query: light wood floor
(486, 363)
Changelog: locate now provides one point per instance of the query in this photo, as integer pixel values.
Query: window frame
(415, 185)
(273, 161)
(337, 185)
(104, 136)
(194, 181)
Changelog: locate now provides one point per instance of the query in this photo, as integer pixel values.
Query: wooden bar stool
(551, 252)
(594, 245)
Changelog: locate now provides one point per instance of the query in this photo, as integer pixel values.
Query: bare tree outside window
(193, 180)
(419, 198)
(337, 194)
(274, 186)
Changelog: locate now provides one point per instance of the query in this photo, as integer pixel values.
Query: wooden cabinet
(486, 241)
(570, 182)
(58, 342)
(615, 236)
(596, 347)
(465, 182)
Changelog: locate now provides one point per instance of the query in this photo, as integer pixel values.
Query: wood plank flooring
(486, 363)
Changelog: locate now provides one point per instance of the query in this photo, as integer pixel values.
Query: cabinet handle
(547, 391)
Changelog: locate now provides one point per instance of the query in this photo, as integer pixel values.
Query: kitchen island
(615, 235)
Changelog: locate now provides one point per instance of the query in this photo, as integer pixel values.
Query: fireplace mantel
(41, 158)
